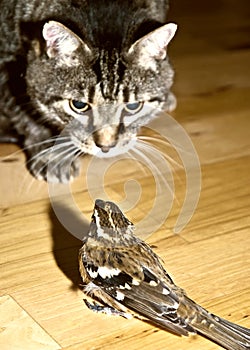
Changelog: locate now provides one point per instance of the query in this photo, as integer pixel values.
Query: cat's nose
(105, 148)
(105, 139)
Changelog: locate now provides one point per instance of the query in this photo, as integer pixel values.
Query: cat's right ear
(153, 46)
(61, 42)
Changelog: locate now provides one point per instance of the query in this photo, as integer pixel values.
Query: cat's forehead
(100, 98)
(110, 80)
(120, 81)
(109, 71)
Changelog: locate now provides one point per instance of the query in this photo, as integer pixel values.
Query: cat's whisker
(9, 157)
(47, 151)
(142, 167)
(152, 151)
(67, 154)
(30, 182)
(139, 147)
(170, 159)
(73, 153)
(41, 143)
(25, 185)
(55, 140)
(164, 142)
(54, 154)
(52, 139)
(27, 189)
(38, 156)
(155, 139)
(151, 165)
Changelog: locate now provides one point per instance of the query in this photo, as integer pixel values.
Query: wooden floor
(41, 304)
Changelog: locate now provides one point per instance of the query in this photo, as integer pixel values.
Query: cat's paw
(55, 172)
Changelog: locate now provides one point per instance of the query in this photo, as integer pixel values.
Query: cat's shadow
(65, 245)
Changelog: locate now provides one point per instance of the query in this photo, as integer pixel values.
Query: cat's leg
(7, 132)
(48, 157)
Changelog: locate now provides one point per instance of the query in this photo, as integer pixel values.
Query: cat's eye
(133, 107)
(79, 106)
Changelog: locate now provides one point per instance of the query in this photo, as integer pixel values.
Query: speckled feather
(127, 277)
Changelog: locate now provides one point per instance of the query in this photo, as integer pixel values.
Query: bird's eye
(133, 107)
(79, 106)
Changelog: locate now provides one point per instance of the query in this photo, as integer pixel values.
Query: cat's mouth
(103, 151)
(105, 143)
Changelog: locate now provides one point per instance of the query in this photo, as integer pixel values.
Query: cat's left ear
(153, 46)
(61, 42)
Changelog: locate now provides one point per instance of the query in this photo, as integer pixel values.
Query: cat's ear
(61, 42)
(153, 46)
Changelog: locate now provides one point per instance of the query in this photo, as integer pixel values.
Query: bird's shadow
(65, 245)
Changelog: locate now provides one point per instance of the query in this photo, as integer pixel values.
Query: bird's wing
(150, 296)
(156, 302)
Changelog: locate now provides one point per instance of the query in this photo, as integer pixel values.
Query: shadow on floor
(65, 245)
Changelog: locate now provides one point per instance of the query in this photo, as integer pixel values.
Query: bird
(125, 277)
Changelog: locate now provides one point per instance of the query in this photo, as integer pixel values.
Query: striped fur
(95, 70)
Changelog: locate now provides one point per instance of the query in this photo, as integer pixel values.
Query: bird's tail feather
(227, 334)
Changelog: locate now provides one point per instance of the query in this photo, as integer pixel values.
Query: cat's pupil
(79, 106)
(133, 106)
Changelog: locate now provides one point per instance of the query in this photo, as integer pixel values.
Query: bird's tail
(226, 334)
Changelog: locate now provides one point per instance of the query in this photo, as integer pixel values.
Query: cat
(91, 71)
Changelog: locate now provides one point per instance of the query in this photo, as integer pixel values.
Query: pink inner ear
(162, 36)
(155, 43)
(59, 39)
(51, 33)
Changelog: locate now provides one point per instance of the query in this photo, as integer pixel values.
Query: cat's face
(100, 97)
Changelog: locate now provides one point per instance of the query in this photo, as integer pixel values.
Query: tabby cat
(91, 71)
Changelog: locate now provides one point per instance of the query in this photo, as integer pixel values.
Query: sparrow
(127, 278)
